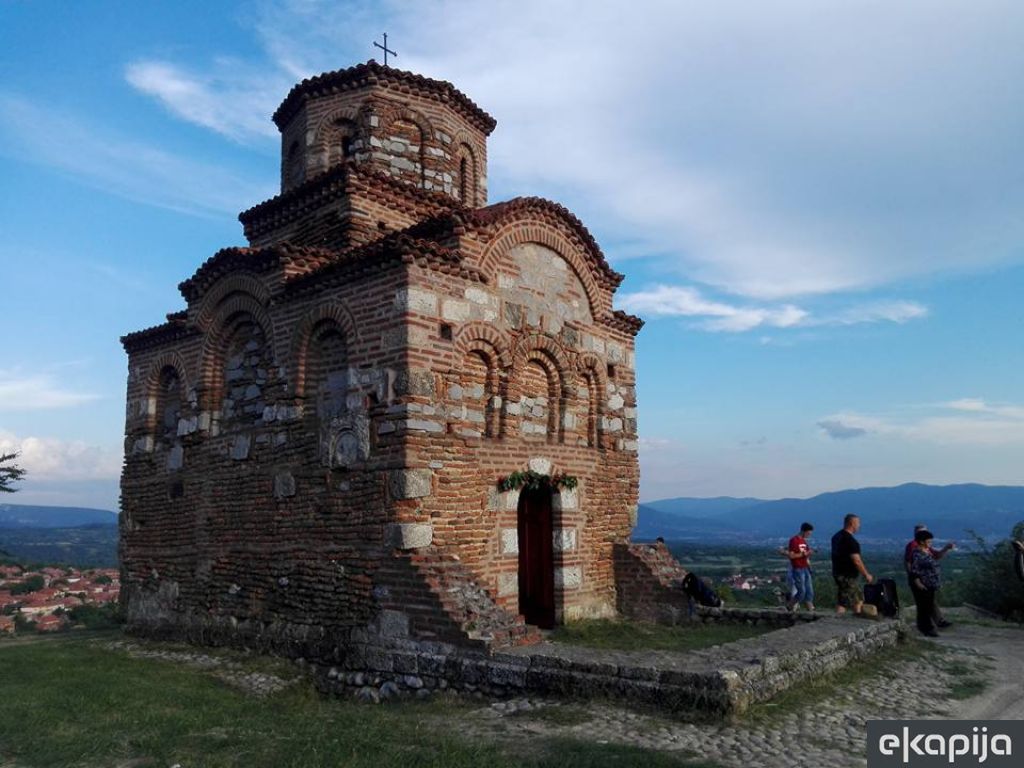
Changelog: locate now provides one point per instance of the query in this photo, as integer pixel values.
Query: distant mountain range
(887, 514)
(76, 536)
(28, 516)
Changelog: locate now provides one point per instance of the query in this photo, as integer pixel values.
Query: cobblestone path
(826, 729)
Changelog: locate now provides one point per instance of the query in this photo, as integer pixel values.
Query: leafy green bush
(31, 584)
(97, 616)
(992, 583)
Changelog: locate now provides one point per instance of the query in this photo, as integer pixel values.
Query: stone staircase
(446, 603)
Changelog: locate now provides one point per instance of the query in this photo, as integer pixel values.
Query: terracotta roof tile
(372, 73)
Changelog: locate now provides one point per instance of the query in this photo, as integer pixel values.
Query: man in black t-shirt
(847, 566)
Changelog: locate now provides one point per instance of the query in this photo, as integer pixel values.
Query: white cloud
(47, 459)
(686, 301)
(972, 422)
(229, 102)
(125, 167)
(37, 392)
(840, 430)
(818, 148)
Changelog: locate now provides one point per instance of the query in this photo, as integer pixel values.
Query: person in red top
(908, 556)
(799, 576)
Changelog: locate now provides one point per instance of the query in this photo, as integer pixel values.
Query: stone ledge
(716, 682)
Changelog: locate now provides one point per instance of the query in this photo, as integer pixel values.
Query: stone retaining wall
(714, 682)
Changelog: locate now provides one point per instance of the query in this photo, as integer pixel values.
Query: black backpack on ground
(882, 594)
(700, 592)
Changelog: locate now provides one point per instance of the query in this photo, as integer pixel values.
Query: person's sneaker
(930, 633)
(945, 624)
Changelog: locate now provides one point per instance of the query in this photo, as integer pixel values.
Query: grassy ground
(611, 634)
(70, 701)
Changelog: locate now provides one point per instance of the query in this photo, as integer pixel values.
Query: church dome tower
(422, 132)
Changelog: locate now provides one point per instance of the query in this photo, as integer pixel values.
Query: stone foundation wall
(713, 683)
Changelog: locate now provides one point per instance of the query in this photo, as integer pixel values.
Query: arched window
(326, 373)
(168, 407)
(247, 371)
(478, 382)
(464, 181)
(538, 402)
(593, 405)
(294, 172)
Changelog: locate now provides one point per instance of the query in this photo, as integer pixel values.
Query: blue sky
(819, 210)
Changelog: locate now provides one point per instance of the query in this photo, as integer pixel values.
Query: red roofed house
(315, 444)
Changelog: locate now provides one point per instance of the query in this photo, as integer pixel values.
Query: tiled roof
(333, 183)
(397, 80)
(294, 260)
(174, 328)
(396, 248)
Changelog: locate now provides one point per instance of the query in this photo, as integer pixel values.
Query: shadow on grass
(74, 702)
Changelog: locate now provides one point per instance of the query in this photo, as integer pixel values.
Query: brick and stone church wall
(480, 420)
(239, 513)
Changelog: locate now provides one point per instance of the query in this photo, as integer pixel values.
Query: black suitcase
(882, 594)
(701, 592)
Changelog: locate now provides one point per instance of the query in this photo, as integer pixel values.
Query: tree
(9, 472)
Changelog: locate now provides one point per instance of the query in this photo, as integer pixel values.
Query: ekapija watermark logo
(925, 743)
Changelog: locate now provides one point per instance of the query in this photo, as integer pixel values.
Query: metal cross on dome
(385, 49)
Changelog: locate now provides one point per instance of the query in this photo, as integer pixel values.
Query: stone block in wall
(509, 541)
(240, 447)
(175, 457)
(565, 500)
(284, 485)
(540, 465)
(569, 578)
(511, 500)
(417, 300)
(410, 483)
(423, 425)
(634, 515)
(410, 535)
(455, 311)
(564, 539)
(508, 584)
(616, 353)
(143, 445)
(415, 381)
(615, 402)
(393, 624)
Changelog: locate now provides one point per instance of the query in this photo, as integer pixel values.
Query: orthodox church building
(400, 412)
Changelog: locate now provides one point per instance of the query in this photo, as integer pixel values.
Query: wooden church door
(536, 558)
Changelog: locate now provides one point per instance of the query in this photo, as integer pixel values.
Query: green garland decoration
(534, 481)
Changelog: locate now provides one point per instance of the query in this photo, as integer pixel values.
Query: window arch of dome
(468, 179)
(407, 133)
(294, 166)
(337, 138)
